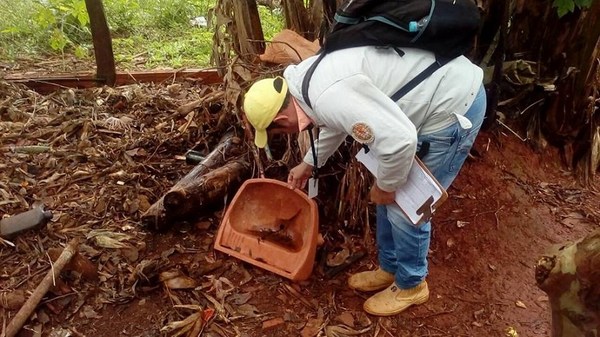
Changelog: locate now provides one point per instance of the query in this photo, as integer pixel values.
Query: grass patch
(176, 48)
(271, 21)
(145, 33)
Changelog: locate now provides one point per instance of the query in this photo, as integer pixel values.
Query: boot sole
(395, 312)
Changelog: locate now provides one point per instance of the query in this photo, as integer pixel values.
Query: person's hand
(381, 197)
(299, 175)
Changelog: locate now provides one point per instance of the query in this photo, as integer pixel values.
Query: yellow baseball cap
(262, 102)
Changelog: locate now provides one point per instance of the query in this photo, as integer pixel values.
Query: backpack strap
(419, 78)
(307, 77)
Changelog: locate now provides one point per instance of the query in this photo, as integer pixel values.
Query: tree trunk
(297, 19)
(490, 51)
(237, 31)
(565, 50)
(249, 31)
(205, 185)
(571, 278)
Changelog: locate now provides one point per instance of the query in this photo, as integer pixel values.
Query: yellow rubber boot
(394, 300)
(371, 280)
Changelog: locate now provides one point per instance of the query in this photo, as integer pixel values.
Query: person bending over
(350, 94)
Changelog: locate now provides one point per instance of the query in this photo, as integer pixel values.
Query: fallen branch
(32, 302)
(205, 190)
(200, 187)
(187, 108)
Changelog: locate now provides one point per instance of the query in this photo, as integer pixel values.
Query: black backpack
(445, 27)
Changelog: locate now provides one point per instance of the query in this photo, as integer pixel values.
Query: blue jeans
(402, 246)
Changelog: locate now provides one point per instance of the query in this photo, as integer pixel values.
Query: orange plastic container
(271, 226)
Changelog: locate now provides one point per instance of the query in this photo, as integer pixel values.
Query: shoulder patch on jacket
(362, 133)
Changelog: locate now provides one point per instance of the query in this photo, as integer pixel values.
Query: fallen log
(211, 187)
(49, 83)
(207, 183)
(32, 302)
(571, 278)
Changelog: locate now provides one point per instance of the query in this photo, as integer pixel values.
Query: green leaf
(583, 4)
(45, 17)
(62, 8)
(81, 52)
(79, 11)
(564, 6)
(58, 40)
(55, 3)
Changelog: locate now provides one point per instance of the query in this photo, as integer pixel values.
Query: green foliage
(271, 21)
(191, 48)
(564, 7)
(160, 34)
(45, 17)
(145, 33)
(43, 25)
(168, 14)
(58, 40)
(122, 16)
(66, 21)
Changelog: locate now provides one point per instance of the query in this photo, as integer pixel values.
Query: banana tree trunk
(571, 278)
(566, 51)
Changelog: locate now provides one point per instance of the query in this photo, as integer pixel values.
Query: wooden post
(105, 61)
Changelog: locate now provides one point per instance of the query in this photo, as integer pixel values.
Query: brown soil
(508, 205)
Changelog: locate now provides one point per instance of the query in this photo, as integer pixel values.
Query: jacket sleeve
(354, 104)
(326, 144)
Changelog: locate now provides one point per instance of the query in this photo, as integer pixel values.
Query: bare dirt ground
(98, 163)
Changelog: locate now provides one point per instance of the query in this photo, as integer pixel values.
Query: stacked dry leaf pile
(97, 159)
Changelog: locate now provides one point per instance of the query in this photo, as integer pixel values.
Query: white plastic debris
(198, 21)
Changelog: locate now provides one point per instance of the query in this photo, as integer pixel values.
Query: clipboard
(420, 196)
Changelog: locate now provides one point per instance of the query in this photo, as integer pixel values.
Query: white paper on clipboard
(418, 196)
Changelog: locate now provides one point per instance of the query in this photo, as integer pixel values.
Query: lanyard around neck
(315, 155)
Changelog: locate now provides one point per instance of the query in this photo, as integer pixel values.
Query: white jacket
(351, 87)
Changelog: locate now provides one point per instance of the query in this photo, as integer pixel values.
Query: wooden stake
(32, 302)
